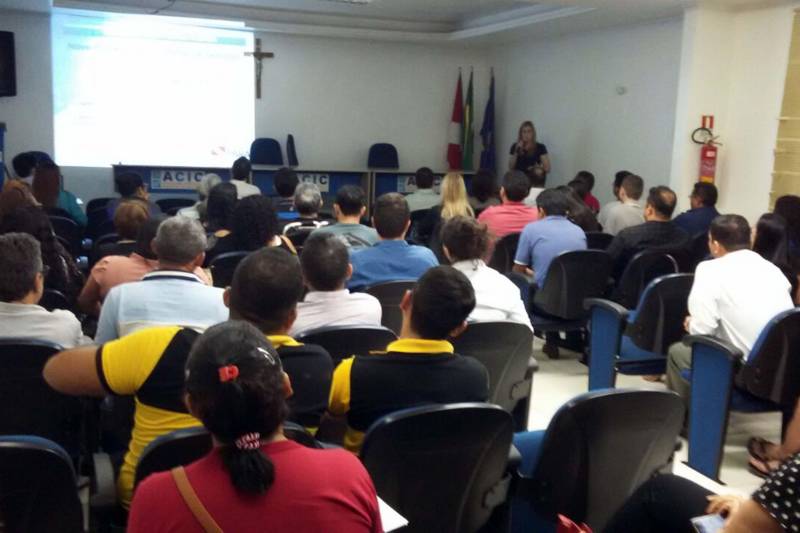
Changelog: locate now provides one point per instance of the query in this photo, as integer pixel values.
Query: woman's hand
(725, 505)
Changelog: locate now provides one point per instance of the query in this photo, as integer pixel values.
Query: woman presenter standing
(527, 155)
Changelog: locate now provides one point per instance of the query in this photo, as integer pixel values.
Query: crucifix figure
(258, 55)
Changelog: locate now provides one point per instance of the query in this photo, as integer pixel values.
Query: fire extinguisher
(704, 136)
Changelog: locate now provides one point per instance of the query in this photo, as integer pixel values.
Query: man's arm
(74, 372)
(703, 309)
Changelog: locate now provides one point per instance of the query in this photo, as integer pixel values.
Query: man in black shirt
(657, 233)
(420, 368)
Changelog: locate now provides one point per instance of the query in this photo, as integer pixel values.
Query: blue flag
(487, 132)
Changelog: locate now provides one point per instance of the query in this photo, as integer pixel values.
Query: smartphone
(710, 523)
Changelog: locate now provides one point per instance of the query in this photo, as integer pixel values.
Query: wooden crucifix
(258, 55)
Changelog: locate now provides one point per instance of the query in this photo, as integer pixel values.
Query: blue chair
(266, 151)
(768, 381)
(636, 342)
(383, 155)
(598, 448)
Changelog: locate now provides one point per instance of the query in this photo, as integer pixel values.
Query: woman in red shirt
(254, 479)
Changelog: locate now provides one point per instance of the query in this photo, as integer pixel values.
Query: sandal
(757, 448)
(762, 469)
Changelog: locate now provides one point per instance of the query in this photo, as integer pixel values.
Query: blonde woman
(527, 154)
(455, 203)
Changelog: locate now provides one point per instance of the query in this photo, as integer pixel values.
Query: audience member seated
(241, 178)
(657, 233)
(62, 273)
(24, 164)
(254, 225)
(172, 294)
(131, 187)
(424, 197)
(128, 220)
(421, 367)
(578, 212)
(349, 206)
(587, 179)
(21, 288)
(115, 270)
(771, 241)
(48, 188)
(788, 207)
(307, 203)
(222, 201)
(483, 191)
(466, 242)
(513, 215)
(626, 212)
(666, 503)
(15, 195)
(550, 236)
(326, 269)
(285, 182)
(254, 476)
(198, 210)
(696, 220)
(392, 258)
(537, 186)
(733, 296)
(265, 290)
(454, 203)
(602, 217)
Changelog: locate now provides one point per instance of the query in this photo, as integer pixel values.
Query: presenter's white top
(496, 296)
(733, 297)
(245, 189)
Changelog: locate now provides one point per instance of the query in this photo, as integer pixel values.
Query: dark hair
(254, 222)
(266, 286)
(285, 182)
(129, 217)
(788, 206)
(516, 185)
(47, 184)
(443, 298)
(577, 210)
(619, 176)
(15, 195)
(324, 260)
(731, 231)
(128, 183)
(24, 163)
(220, 206)
(252, 402)
(706, 193)
(772, 239)
(663, 200)
(586, 176)
(483, 185)
(147, 232)
(424, 178)
(241, 169)
(553, 202)
(20, 261)
(391, 215)
(465, 238)
(579, 187)
(350, 199)
(633, 186)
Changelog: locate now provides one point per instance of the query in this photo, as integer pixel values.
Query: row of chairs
(462, 477)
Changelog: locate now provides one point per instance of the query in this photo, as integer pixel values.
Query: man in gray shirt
(349, 207)
(627, 212)
(424, 197)
(21, 288)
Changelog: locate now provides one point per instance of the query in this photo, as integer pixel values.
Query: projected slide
(150, 90)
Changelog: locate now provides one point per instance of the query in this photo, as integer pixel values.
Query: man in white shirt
(424, 197)
(537, 186)
(240, 177)
(170, 295)
(21, 288)
(627, 212)
(326, 269)
(733, 296)
(618, 177)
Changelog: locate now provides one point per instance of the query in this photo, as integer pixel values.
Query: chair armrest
(602, 303)
(607, 322)
(103, 495)
(717, 346)
(514, 459)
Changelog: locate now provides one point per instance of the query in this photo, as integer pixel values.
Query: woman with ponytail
(254, 479)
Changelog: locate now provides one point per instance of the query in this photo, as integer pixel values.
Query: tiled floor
(559, 380)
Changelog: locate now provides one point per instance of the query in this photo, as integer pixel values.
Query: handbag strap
(193, 502)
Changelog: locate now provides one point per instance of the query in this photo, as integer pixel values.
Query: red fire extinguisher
(704, 136)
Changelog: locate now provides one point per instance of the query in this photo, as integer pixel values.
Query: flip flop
(757, 448)
(762, 469)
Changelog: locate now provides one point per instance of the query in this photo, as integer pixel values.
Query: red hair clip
(228, 373)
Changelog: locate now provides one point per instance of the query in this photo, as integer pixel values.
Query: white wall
(337, 97)
(567, 86)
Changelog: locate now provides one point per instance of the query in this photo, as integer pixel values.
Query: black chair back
(772, 371)
(266, 151)
(97, 203)
(698, 250)
(28, 406)
(95, 222)
(56, 212)
(597, 240)
(39, 491)
(178, 448)
(645, 266)
(573, 277)
(660, 313)
(504, 251)
(505, 349)
(299, 234)
(598, 448)
(223, 266)
(416, 235)
(436, 465)
(53, 299)
(172, 203)
(103, 246)
(390, 294)
(383, 155)
(344, 341)
(69, 230)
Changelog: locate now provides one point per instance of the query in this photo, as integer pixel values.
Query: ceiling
(407, 20)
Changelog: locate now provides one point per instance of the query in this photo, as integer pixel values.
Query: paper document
(679, 468)
(390, 518)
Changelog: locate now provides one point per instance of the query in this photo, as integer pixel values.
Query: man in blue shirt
(392, 258)
(552, 234)
(698, 219)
